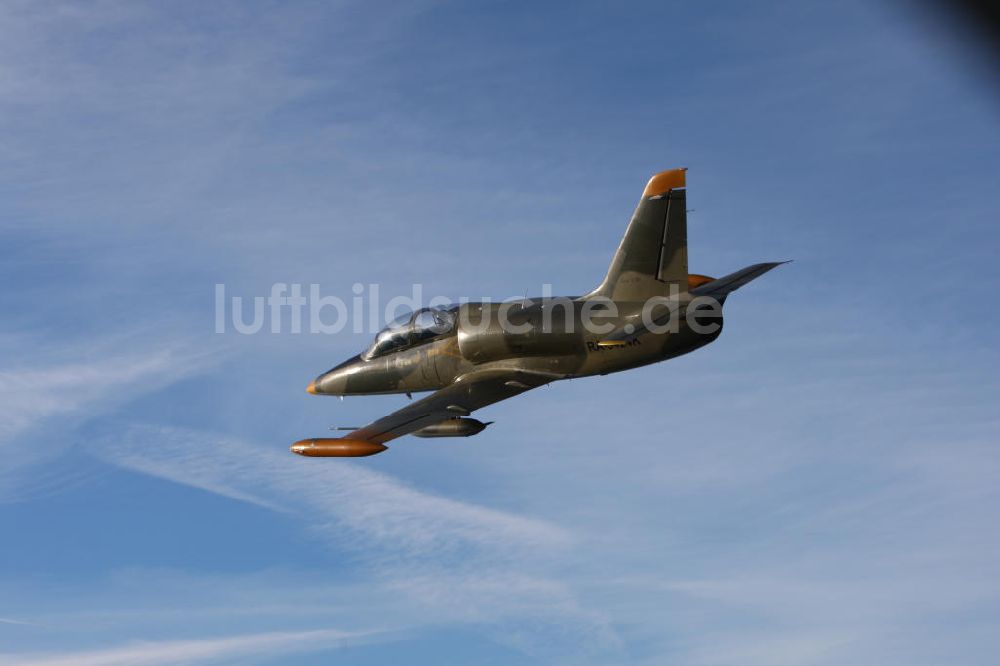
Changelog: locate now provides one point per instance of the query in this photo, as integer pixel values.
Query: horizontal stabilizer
(725, 285)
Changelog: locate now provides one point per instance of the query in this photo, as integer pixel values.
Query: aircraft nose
(333, 382)
(351, 377)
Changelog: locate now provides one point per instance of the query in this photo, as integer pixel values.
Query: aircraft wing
(466, 394)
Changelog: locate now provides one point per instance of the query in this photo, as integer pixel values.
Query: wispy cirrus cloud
(443, 560)
(341, 502)
(150, 653)
(8, 620)
(49, 384)
(32, 394)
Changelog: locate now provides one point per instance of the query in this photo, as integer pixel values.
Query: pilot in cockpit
(411, 329)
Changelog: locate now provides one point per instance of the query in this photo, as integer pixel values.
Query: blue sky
(816, 487)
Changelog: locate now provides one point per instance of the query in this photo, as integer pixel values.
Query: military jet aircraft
(647, 309)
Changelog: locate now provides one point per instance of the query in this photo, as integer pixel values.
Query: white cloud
(149, 653)
(32, 394)
(338, 499)
(57, 385)
(438, 559)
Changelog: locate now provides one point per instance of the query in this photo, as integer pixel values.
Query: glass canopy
(411, 329)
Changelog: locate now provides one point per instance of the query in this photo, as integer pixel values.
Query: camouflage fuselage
(543, 336)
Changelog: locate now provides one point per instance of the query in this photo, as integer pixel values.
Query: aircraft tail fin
(652, 256)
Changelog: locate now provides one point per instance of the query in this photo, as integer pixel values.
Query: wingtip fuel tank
(320, 447)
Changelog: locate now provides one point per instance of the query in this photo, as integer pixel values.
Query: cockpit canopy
(411, 329)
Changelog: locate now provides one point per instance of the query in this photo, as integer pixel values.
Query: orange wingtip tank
(664, 181)
(336, 448)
